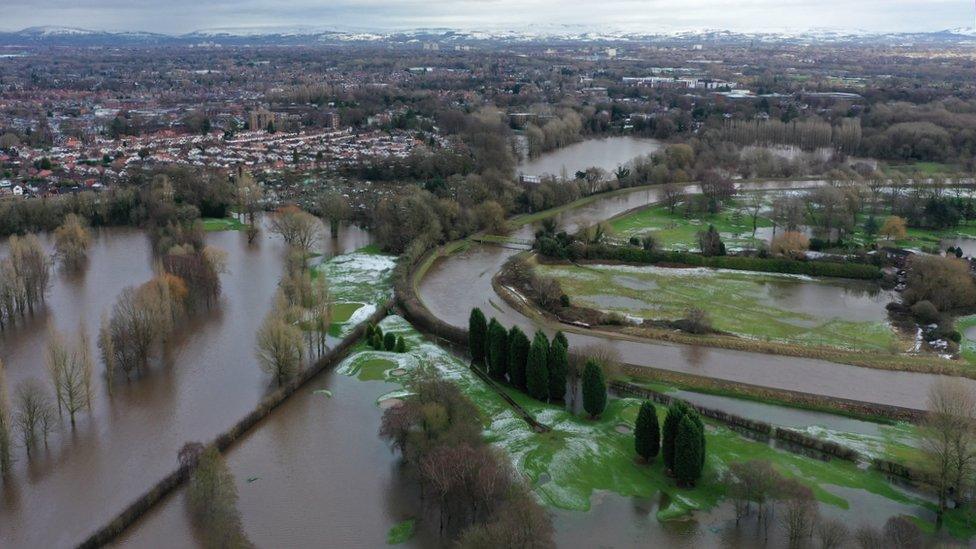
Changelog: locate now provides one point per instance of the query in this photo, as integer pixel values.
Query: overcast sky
(178, 16)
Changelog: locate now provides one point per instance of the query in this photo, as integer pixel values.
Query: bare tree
(902, 533)
(279, 347)
(832, 533)
(6, 439)
(71, 242)
(30, 265)
(297, 228)
(71, 373)
(800, 513)
(34, 413)
(755, 202)
(947, 438)
(672, 195)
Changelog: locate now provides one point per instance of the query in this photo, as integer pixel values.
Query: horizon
(630, 16)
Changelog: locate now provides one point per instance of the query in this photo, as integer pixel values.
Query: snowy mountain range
(55, 35)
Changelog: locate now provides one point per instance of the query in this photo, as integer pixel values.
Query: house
(18, 190)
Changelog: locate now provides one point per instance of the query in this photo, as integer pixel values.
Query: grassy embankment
(215, 224)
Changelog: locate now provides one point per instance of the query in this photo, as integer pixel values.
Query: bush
(564, 300)
(925, 312)
(389, 341)
(647, 432)
(594, 389)
(401, 345)
(697, 321)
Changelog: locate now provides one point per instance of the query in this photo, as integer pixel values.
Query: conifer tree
(477, 335)
(688, 451)
(558, 366)
(647, 433)
(594, 389)
(537, 369)
(389, 341)
(675, 412)
(518, 355)
(497, 349)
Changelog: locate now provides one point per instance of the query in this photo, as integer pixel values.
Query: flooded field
(605, 153)
(840, 313)
(208, 378)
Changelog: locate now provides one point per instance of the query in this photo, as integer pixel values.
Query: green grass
(742, 303)
(341, 312)
(580, 457)
(967, 347)
(677, 232)
(401, 533)
(215, 224)
(926, 168)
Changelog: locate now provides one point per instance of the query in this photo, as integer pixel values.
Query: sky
(181, 16)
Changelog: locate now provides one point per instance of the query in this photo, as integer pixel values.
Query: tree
(947, 440)
(710, 242)
(497, 349)
(791, 244)
(800, 515)
(594, 389)
(211, 501)
(34, 412)
(31, 269)
(389, 341)
(901, 532)
(279, 347)
(894, 228)
(299, 229)
(832, 533)
(558, 363)
(477, 336)
(647, 433)
(688, 451)
(672, 195)
(518, 355)
(669, 432)
(248, 194)
(945, 281)
(6, 426)
(334, 208)
(71, 242)
(537, 367)
(401, 345)
(71, 373)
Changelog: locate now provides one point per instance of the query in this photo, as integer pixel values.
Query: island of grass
(217, 224)
(579, 457)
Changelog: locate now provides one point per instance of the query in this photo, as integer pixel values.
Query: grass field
(675, 231)
(214, 224)
(754, 305)
(580, 457)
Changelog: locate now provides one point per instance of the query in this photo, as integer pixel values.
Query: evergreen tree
(518, 355)
(647, 434)
(389, 341)
(368, 336)
(594, 389)
(477, 335)
(378, 331)
(676, 411)
(561, 337)
(537, 369)
(377, 341)
(688, 451)
(401, 345)
(558, 366)
(497, 349)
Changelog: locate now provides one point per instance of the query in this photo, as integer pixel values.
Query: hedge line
(629, 254)
(172, 481)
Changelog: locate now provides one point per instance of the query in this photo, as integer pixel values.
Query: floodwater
(207, 380)
(314, 473)
(605, 153)
(460, 282)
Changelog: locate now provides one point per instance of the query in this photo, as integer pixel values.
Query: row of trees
(472, 488)
(24, 278)
(211, 498)
(540, 368)
(681, 442)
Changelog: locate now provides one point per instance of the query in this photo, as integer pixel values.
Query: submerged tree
(279, 347)
(34, 413)
(211, 499)
(71, 242)
(6, 426)
(71, 373)
(335, 209)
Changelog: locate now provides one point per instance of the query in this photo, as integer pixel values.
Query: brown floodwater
(607, 153)
(206, 381)
(462, 281)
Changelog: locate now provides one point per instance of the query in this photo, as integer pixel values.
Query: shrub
(401, 345)
(790, 244)
(697, 321)
(925, 312)
(647, 432)
(594, 389)
(389, 341)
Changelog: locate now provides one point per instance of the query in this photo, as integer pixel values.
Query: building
(259, 119)
(332, 120)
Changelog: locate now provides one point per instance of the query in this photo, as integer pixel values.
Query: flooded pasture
(607, 154)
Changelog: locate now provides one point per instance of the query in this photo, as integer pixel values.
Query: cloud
(177, 16)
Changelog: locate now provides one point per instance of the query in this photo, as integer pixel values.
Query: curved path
(457, 283)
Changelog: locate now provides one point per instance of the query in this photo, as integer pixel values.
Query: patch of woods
(936, 289)
(478, 499)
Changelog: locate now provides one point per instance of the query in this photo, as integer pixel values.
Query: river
(207, 380)
(606, 153)
(455, 284)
